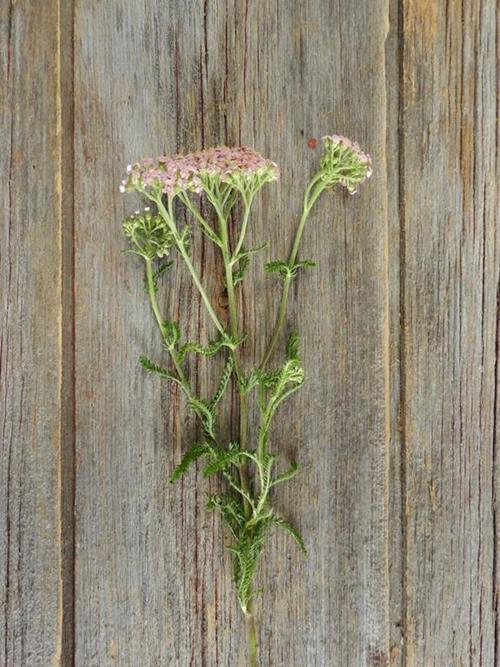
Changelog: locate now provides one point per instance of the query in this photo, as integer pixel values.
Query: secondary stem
(244, 225)
(309, 201)
(156, 309)
(168, 217)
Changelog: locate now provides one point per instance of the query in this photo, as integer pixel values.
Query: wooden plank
(152, 582)
(450, 282)
(31, 521)
(335, 79)
(394, 192)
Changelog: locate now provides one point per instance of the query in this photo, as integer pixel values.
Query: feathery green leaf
(205, 414)
(223, 382)
(151, 367)
(288, 474)
(283, 523)
(223, 459)
(198, 450)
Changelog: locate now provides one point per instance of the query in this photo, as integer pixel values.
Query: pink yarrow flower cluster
(345, 162)
(183, 173)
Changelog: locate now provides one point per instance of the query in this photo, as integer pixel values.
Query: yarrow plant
(226, 177)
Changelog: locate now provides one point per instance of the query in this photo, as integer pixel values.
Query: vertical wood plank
(31, 523)
(152, 582)
(394, 204)
(317, 73)
(450, 319)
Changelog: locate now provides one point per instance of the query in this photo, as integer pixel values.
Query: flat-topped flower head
(344, 163)
(240, 167)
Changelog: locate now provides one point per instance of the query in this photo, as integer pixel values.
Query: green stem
(233, 321)
(159, 319)
(243, 467)
(168, 217)
(251, 639)
(203, 223)
(309, 200)
(243, 230)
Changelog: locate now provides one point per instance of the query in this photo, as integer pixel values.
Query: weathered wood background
(102, 563)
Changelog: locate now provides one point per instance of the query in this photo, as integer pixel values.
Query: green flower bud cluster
(148, 234)
(344, 163)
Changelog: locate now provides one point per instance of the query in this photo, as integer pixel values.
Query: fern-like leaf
(284, 270)
(303, 264)
(171, 334)
(223, 382)
(250, 381)
(205, 414)
(153, 368)
(285, 476)
(246, 555)
(267, 463)
(212, 348)
(285, 525)
(193, 454)
(279, 267)
(161, 270)
(239, 274)
(292, 346)
(231, 510)
(223, 459)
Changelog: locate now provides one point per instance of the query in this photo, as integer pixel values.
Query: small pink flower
(345, 163)
(181, 173)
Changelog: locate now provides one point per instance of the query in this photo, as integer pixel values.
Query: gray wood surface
(34, 562)
(103, 563)
(449, 317)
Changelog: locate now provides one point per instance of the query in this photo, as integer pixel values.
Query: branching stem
(181, 246)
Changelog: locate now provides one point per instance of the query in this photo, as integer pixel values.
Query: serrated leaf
(231, 510)
(285, 476)
(212, 348)
(151, 367)
(193, 454)
(224, 458)
(304, 263)
(246, 555)
(285, 270)
(171, 333)
(205, 414)
(239, 274)
(292, 346)
(285, 525)
(267, 462)
(221, 388)
(279, 267)
(248, 383)
(270, 378)
(161, 270)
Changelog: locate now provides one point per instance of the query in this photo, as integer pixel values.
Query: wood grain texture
(32, 588)
(103, 563)
(449, 321)
(145, 86)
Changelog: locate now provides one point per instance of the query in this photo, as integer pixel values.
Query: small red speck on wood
(312, 142)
